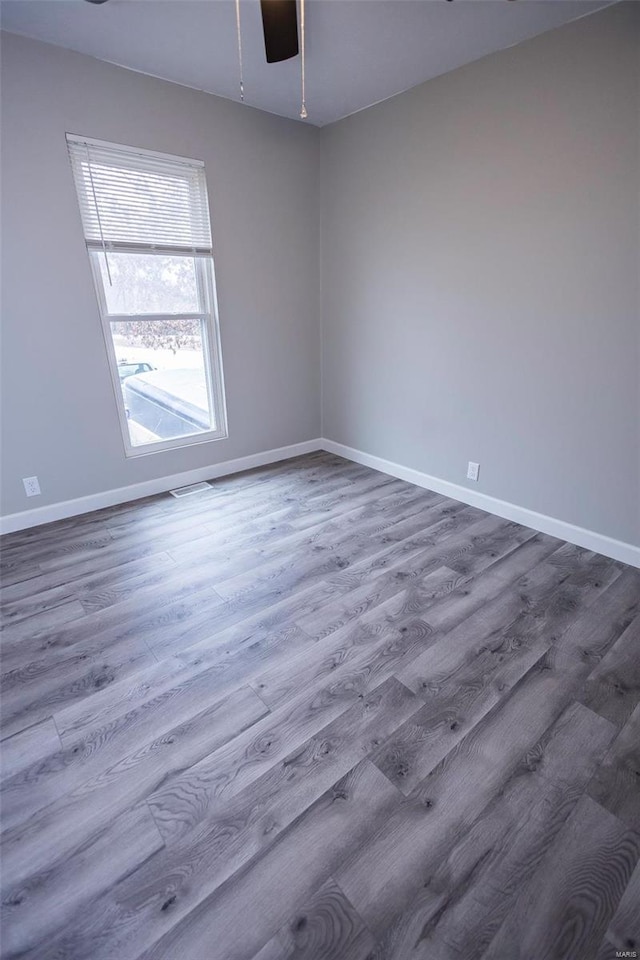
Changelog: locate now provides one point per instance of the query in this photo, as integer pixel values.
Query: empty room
(320, 480)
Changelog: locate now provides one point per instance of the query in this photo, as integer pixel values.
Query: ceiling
(358, 51)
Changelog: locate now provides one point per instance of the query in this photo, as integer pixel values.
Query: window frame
(207, 315)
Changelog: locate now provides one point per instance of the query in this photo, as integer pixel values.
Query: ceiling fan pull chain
(303, 106)
(239, 50)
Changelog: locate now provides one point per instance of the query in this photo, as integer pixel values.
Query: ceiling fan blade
(280, 25)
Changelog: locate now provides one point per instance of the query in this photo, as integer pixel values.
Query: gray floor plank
(221, 666)
(450, 798)
(69, 821)
(28, 747)
(383, 638)
(183, 721)
(246, 825)
(314, 711)
(326, 928)
(40, 906)
(590, 638)
(141, 614)
(457, 698)
(613, 686)
(45, 600)
(486, 585)
(353, 605)
(616, 783)
(624, 929)
(459, 907)
(19, 632)
(131, 922)
(193, 796)
(607, 951)
(26, 592)
(35, 691)
(564, 911)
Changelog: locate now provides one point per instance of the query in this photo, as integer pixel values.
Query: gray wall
(59, 418)
(479, 240)
(478, 263)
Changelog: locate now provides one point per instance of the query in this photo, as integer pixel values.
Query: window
(146, 224)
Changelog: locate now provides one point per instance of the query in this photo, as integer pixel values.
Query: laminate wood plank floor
(316, 712)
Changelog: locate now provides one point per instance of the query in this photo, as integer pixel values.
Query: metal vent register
(191, 488)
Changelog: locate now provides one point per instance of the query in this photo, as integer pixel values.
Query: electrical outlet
(473, 470)
(31, 486)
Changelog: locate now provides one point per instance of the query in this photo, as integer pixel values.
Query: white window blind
(134, 200)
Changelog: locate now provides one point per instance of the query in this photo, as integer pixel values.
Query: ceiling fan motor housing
(280, 26)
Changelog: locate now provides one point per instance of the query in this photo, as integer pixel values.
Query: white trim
(608, 546)
(108, 498)
(151, 250)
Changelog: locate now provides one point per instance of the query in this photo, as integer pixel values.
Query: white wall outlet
(31, 486)
(473, 470)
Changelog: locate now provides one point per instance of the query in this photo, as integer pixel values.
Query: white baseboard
(617, 549)
(108, 498)
(608, 546)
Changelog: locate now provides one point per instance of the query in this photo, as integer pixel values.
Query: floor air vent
(191, 488)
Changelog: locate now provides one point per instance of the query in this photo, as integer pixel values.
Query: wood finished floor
(317, 712)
